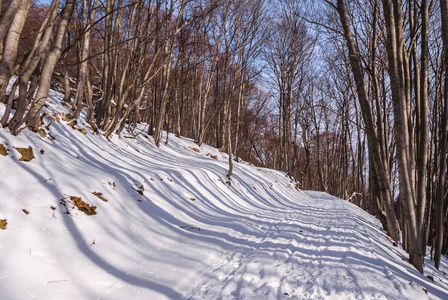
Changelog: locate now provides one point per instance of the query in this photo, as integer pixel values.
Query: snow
(174, 227)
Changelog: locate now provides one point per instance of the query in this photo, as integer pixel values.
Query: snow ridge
(174, 227)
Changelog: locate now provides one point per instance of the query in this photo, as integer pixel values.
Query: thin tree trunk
(374, 150)
(423, 127)
(443, 140)
(440, 196)
(87, 15)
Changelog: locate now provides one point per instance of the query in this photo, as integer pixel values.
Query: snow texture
(174, 227)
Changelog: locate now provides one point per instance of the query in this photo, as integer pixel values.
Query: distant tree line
(348, 97)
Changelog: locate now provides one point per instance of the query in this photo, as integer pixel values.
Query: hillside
(172, 226)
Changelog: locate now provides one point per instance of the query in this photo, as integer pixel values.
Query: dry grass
(100, 195)
(83, 206)
(3, 150)
(27, 153)
(3, 224)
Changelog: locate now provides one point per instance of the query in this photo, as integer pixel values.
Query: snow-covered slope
(174, 227)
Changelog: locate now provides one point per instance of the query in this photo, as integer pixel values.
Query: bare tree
(16, 14)
(28, 68)
(440, 212)
(287, 57)
(87, 17)
(32, 119)
(374, 150)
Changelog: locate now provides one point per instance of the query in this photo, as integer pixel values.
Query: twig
(191, 226)
(55, 281)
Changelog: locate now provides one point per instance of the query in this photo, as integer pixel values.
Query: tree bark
(33, 117)
(423, 127)
(397, 64)
(7, 18)
(87, 15)
(440, 197)
(9, 54)
(34, 58)
(372, 140)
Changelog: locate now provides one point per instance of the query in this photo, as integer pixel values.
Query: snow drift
(166, 223)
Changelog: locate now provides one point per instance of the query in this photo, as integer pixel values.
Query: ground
(172, 226)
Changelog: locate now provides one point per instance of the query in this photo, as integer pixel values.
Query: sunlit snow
(174, 227)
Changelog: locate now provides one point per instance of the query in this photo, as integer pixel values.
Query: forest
(349, 97)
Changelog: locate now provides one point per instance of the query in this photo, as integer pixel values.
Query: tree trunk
(440, 197)
(34, 58)
(33, 117)
(164, 98)
(423, 127)
(7, 18)
(87, 16)
(229, 136)
(9, 54)
(374, 150)
(397, 64)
